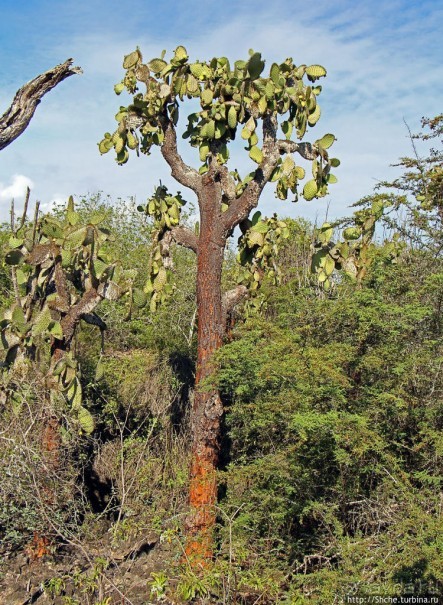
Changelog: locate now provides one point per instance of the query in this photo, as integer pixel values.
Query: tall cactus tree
(233, 100)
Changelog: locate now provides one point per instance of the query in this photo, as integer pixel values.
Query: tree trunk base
(202, 500)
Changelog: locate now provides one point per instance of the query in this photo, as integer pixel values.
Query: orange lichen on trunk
(51, 447)
(202, 499)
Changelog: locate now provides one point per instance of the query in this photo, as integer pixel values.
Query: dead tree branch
(16, 119)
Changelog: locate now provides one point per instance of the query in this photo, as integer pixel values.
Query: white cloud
(17, 189)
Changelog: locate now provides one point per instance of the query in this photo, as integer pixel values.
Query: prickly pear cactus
(164, 210)
(270, 110)
(258, 248)
(61, 272)
(354, 254)
(234, 99)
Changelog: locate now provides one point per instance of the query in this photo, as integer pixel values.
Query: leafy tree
(419, 190)
(232, 100)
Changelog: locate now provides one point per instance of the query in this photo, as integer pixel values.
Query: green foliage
(191, 586)
(230, 99)
(332, 453)
(158, 584)
(332, 421)
(165, 210)
(258, 248)
(357, 250)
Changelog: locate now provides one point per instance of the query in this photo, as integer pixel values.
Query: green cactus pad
(85, 420)
(352, 233)
(329, 265)
(299, 172)
(160, 279)
(255, 239)
(132, 141)
(119, 88)
(181, 54)
(255, 66)
(207, 96)
(197, 70)
(192, 84)
(310, 190)
(275, 73)
(14, 257)
(232, 117)
(315, 71)
(326, 141)
(157, 65)
(131, 60)
(256, 154)
(41, 322)
(139, 298)
(314, 117)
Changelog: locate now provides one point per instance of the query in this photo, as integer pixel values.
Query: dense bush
(334, 431)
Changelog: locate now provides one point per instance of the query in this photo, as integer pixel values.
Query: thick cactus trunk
(207, 408)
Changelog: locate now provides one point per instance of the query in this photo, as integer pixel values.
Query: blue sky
(383, 60)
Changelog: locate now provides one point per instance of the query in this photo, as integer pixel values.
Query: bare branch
(184, 174)
(181, 236)
(306, 150)
(185, 237)
(25, 208)
(192, 327)
(16, 119)
(34, 227)
(233, 297)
